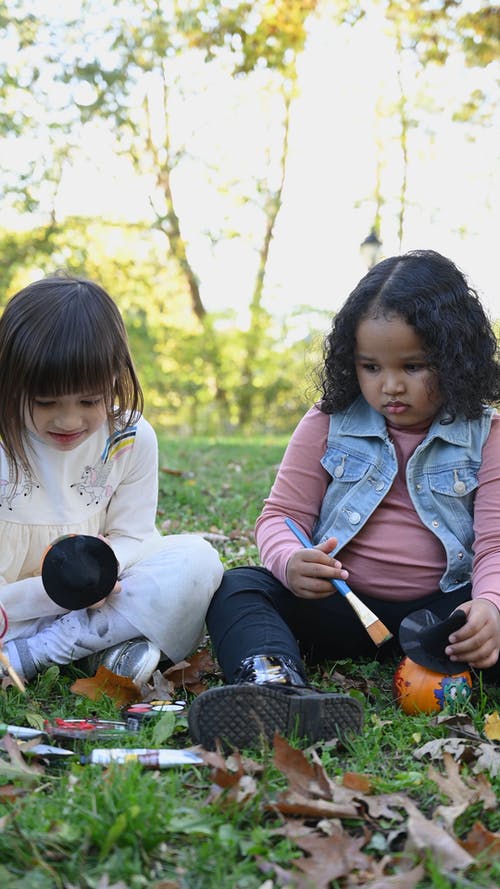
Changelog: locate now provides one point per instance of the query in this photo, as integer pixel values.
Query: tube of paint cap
(150, 758)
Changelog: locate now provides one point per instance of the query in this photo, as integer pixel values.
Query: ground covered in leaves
(412, 802)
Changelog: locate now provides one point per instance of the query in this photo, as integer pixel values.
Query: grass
(84, 826)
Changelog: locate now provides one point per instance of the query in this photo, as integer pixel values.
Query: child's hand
(117, 587)
(478, 641)
(309, 571)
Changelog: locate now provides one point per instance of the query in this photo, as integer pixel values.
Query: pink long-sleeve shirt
(394, 556)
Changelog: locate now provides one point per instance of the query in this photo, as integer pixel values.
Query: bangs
(70, 356)
(66, 370)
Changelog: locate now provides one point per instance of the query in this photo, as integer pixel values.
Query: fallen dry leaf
(312, 793)
(303, 776)
(459, 748)
(458, 724)
(299, 827)
(480, 840)
(234, 776)
(488, 759)
(463, 792)
(329, 858)
(6, 681)
(384, 806)
(286, 878)
(17, 766)
(121, 689)
(427, 837)
(404, 880)
(346, 683)
(222, 774)
(290, 803)
(167, 884)
(492, 726)
(326, 857)
(232, 763)
(159, 688)
(189, 675)
(355, 781)
(9, 793)
(485, 755)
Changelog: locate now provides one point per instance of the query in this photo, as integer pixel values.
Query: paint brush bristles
(376, 630)
(16, 679)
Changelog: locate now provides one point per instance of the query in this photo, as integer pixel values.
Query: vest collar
(362, 421)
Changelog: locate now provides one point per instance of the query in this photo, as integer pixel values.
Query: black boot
(270, 695)
(267, 669)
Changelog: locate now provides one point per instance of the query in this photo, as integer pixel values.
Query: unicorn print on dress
(9, 490)
(93, 481)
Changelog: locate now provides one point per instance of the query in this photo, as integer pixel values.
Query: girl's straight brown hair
(58, 336)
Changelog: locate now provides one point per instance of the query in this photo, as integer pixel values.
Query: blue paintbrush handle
(340, 585)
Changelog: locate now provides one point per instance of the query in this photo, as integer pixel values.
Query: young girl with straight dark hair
(78, 457)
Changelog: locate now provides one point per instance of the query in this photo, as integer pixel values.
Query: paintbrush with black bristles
(377, 631)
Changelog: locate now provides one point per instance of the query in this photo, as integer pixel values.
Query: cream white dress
(107, 485)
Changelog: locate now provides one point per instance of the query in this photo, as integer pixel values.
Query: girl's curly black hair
(432, 295)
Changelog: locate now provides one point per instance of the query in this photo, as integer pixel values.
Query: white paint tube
(150, 758)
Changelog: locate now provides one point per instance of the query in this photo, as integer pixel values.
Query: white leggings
(69, 638)
(164, 597)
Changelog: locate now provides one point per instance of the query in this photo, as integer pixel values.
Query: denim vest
(441, 476)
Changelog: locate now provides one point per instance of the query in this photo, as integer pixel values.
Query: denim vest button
(459, 487)
(435, 523)
(418, 488)
(354, 518)
(460, 555)
(379, 486)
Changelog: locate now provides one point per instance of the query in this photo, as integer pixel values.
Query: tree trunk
(258, 316)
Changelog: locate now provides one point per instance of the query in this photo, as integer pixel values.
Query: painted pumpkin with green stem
(419, 690)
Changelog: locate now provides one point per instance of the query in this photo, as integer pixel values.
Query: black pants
(253, 613)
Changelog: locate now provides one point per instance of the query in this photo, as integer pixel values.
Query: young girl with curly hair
(395, 478)
(78, 457)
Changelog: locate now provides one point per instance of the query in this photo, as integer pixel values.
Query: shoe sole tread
(245, 716)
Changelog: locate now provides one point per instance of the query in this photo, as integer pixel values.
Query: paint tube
(20, 731)
(85, 728)
(150, 758)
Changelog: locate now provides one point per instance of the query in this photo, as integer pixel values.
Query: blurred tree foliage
(434, 30)
(165, 338)
(119, 64)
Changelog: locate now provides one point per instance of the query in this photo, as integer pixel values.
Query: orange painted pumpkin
(419, 690)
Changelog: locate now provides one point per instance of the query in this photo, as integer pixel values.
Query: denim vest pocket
(344, 466)
(347, 501)
(454, 490)
(459, 482)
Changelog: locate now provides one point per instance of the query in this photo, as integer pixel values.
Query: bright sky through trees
(343, 124)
